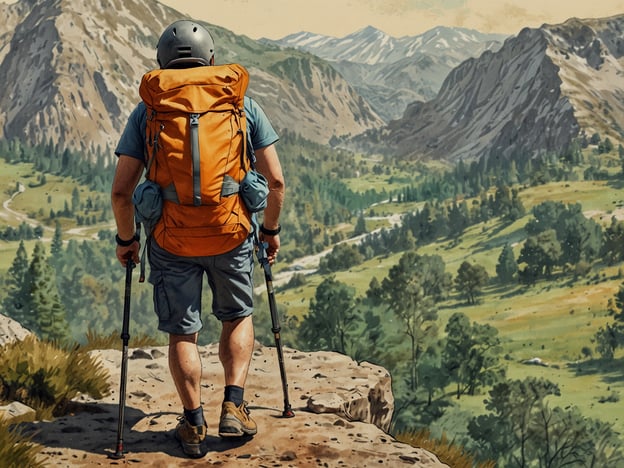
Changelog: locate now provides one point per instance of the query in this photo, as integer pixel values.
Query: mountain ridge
(390, 73)
(73, 72)
(358, 46)
(530, 97)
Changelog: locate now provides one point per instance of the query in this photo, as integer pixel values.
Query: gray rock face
(72, 69)
(542, 89)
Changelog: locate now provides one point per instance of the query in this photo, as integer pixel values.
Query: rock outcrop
(342, 413)
(10, 330)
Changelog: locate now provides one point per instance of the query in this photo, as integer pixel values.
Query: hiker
(177, 264)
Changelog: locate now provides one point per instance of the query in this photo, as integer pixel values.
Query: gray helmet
(184, 43)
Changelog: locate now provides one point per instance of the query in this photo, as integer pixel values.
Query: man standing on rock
(180, 256)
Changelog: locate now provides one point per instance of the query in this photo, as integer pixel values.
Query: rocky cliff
(342, 413)
(391, 72)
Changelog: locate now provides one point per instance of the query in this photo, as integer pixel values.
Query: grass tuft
(447, 451)
(16, 449)
(113, 341)
(46, 376)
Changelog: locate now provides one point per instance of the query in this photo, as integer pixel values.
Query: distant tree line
(319, 198)
(92, 166)
(559, 237)
(74, 288)
(23, 232)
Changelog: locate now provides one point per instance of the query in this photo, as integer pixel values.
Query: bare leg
(186, 369)
(235, 350)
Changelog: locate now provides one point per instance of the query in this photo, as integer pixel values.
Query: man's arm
(127, 175)
(268, 164)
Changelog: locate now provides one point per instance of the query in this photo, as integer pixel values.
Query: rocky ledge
(342, 411)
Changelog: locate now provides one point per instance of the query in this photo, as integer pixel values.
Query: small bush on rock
(47, 377)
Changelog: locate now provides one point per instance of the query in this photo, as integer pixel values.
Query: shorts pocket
(161, 299)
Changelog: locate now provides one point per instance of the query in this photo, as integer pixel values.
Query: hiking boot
(235, 420)
(191, 437)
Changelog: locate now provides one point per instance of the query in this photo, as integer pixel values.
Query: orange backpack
(196, 144)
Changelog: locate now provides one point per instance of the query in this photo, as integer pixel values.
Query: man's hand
(273, 245)
(129, 252)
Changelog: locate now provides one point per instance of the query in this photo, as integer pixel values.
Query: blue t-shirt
(132, 141)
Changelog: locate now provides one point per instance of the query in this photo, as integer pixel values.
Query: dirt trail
(8, 215)
(309, 264)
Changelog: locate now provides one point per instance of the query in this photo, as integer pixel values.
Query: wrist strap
(126, 243)
(270, 232)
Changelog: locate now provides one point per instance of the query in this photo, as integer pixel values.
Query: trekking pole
(268, 276)
(125, 337)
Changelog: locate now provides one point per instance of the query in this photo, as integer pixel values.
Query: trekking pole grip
(125, 329)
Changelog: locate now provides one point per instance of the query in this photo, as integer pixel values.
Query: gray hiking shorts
(178, 281)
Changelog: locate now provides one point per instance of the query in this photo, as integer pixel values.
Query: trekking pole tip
(288, 413)
(119, 453)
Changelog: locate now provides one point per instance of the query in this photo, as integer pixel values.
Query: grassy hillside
(552, 320)
(24, 199)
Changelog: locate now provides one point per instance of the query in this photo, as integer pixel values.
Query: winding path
(310, 263)
(8, 214)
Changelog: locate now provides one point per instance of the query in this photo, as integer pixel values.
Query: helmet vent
(184, 51)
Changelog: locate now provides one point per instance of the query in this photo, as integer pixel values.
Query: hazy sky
(277, 18)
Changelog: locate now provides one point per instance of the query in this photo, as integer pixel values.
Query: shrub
(16, 449)
(47, 377)
(296, 281)
(614, 397)
(447, 451)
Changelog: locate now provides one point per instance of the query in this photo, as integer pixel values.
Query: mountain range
(390, 72)
(71, 72)
(540, 91)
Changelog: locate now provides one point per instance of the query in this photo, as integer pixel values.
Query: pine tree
(46, 314)
(57, 241)
(75, 201)
(14, 303)
(507, 267)
(360, 226)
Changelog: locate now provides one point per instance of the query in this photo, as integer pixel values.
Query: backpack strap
(150, 158)
(230, 186)
(195, 156)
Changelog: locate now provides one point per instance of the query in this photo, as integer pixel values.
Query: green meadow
(552, 320)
